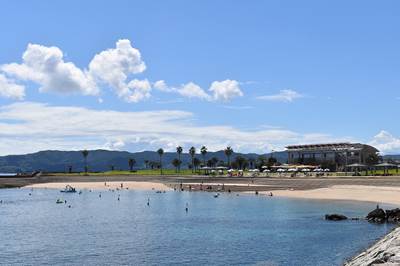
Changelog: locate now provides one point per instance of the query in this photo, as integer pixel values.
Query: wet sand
(104, 185)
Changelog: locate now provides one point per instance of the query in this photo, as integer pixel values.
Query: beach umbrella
(266, 171)
(256, 170)
(280, 170)
(327, 170)
(356, 165)
(264, 167)
(305, 170)
(292, 170)
(385, 166)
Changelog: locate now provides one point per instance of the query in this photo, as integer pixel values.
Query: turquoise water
(229, 230)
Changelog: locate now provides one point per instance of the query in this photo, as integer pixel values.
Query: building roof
(330, 146)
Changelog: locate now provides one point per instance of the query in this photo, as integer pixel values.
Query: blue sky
(284, 72)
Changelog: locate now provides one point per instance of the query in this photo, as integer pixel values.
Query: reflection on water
(226, 230)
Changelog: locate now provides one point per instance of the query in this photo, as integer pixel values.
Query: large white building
(333, 155)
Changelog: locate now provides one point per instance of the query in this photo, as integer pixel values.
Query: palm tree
(203, 152)
(160, 152)
(228, 152)
(85, 154)
(196, 163)
(192, 152)
(176, 162)
(131, 163)
(179, 150)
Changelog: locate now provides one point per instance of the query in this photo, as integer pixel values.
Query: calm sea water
(229, 230)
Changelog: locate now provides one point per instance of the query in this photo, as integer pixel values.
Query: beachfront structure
(336, 156)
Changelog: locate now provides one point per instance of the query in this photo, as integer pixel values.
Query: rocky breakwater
(384, 252)
(387, 250)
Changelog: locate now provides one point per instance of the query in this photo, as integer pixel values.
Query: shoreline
(363, 193)
(133, 185)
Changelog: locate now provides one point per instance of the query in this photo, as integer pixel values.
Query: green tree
(228, 152)
(271, 161)
(85, 154)
(196, 163)
(214, 161)
(160, 152)
(261, 161)
(252, 162)
(192, 152)
(146, 163)
(131, 163)
(176, 163)
(241, 162)
(179, 151)
(203, 152)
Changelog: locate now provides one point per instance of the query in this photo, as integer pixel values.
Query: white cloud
(221, 90)
(40, 126)
(386, 142)
(113, 67)
(162, 86)
(225, 90)
(282, 96)
(46, 66)
(9, 89)
(192, 90)
(136, 91)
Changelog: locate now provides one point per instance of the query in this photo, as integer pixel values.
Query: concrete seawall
(385, 252)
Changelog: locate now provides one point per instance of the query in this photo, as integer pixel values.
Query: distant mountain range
(102, 160)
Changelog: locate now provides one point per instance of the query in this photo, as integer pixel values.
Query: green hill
(103, 160)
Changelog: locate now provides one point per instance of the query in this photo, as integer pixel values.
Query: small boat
(68, 189)
(216, 195)
(59, 201)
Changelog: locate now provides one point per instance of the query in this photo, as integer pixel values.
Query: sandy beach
(101, 185)
(376, 194)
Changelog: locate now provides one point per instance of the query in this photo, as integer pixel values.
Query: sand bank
(376, 194)
(100, 185)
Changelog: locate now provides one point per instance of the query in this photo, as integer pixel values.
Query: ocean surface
(228, 230)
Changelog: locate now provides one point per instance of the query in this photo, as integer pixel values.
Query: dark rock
(377, 215)
(393, 215)
(335, 217)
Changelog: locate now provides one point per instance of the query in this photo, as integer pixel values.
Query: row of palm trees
(192, 152)
(228, 151)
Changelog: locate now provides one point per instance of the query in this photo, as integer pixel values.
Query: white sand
(109, 185)
(389, 195)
